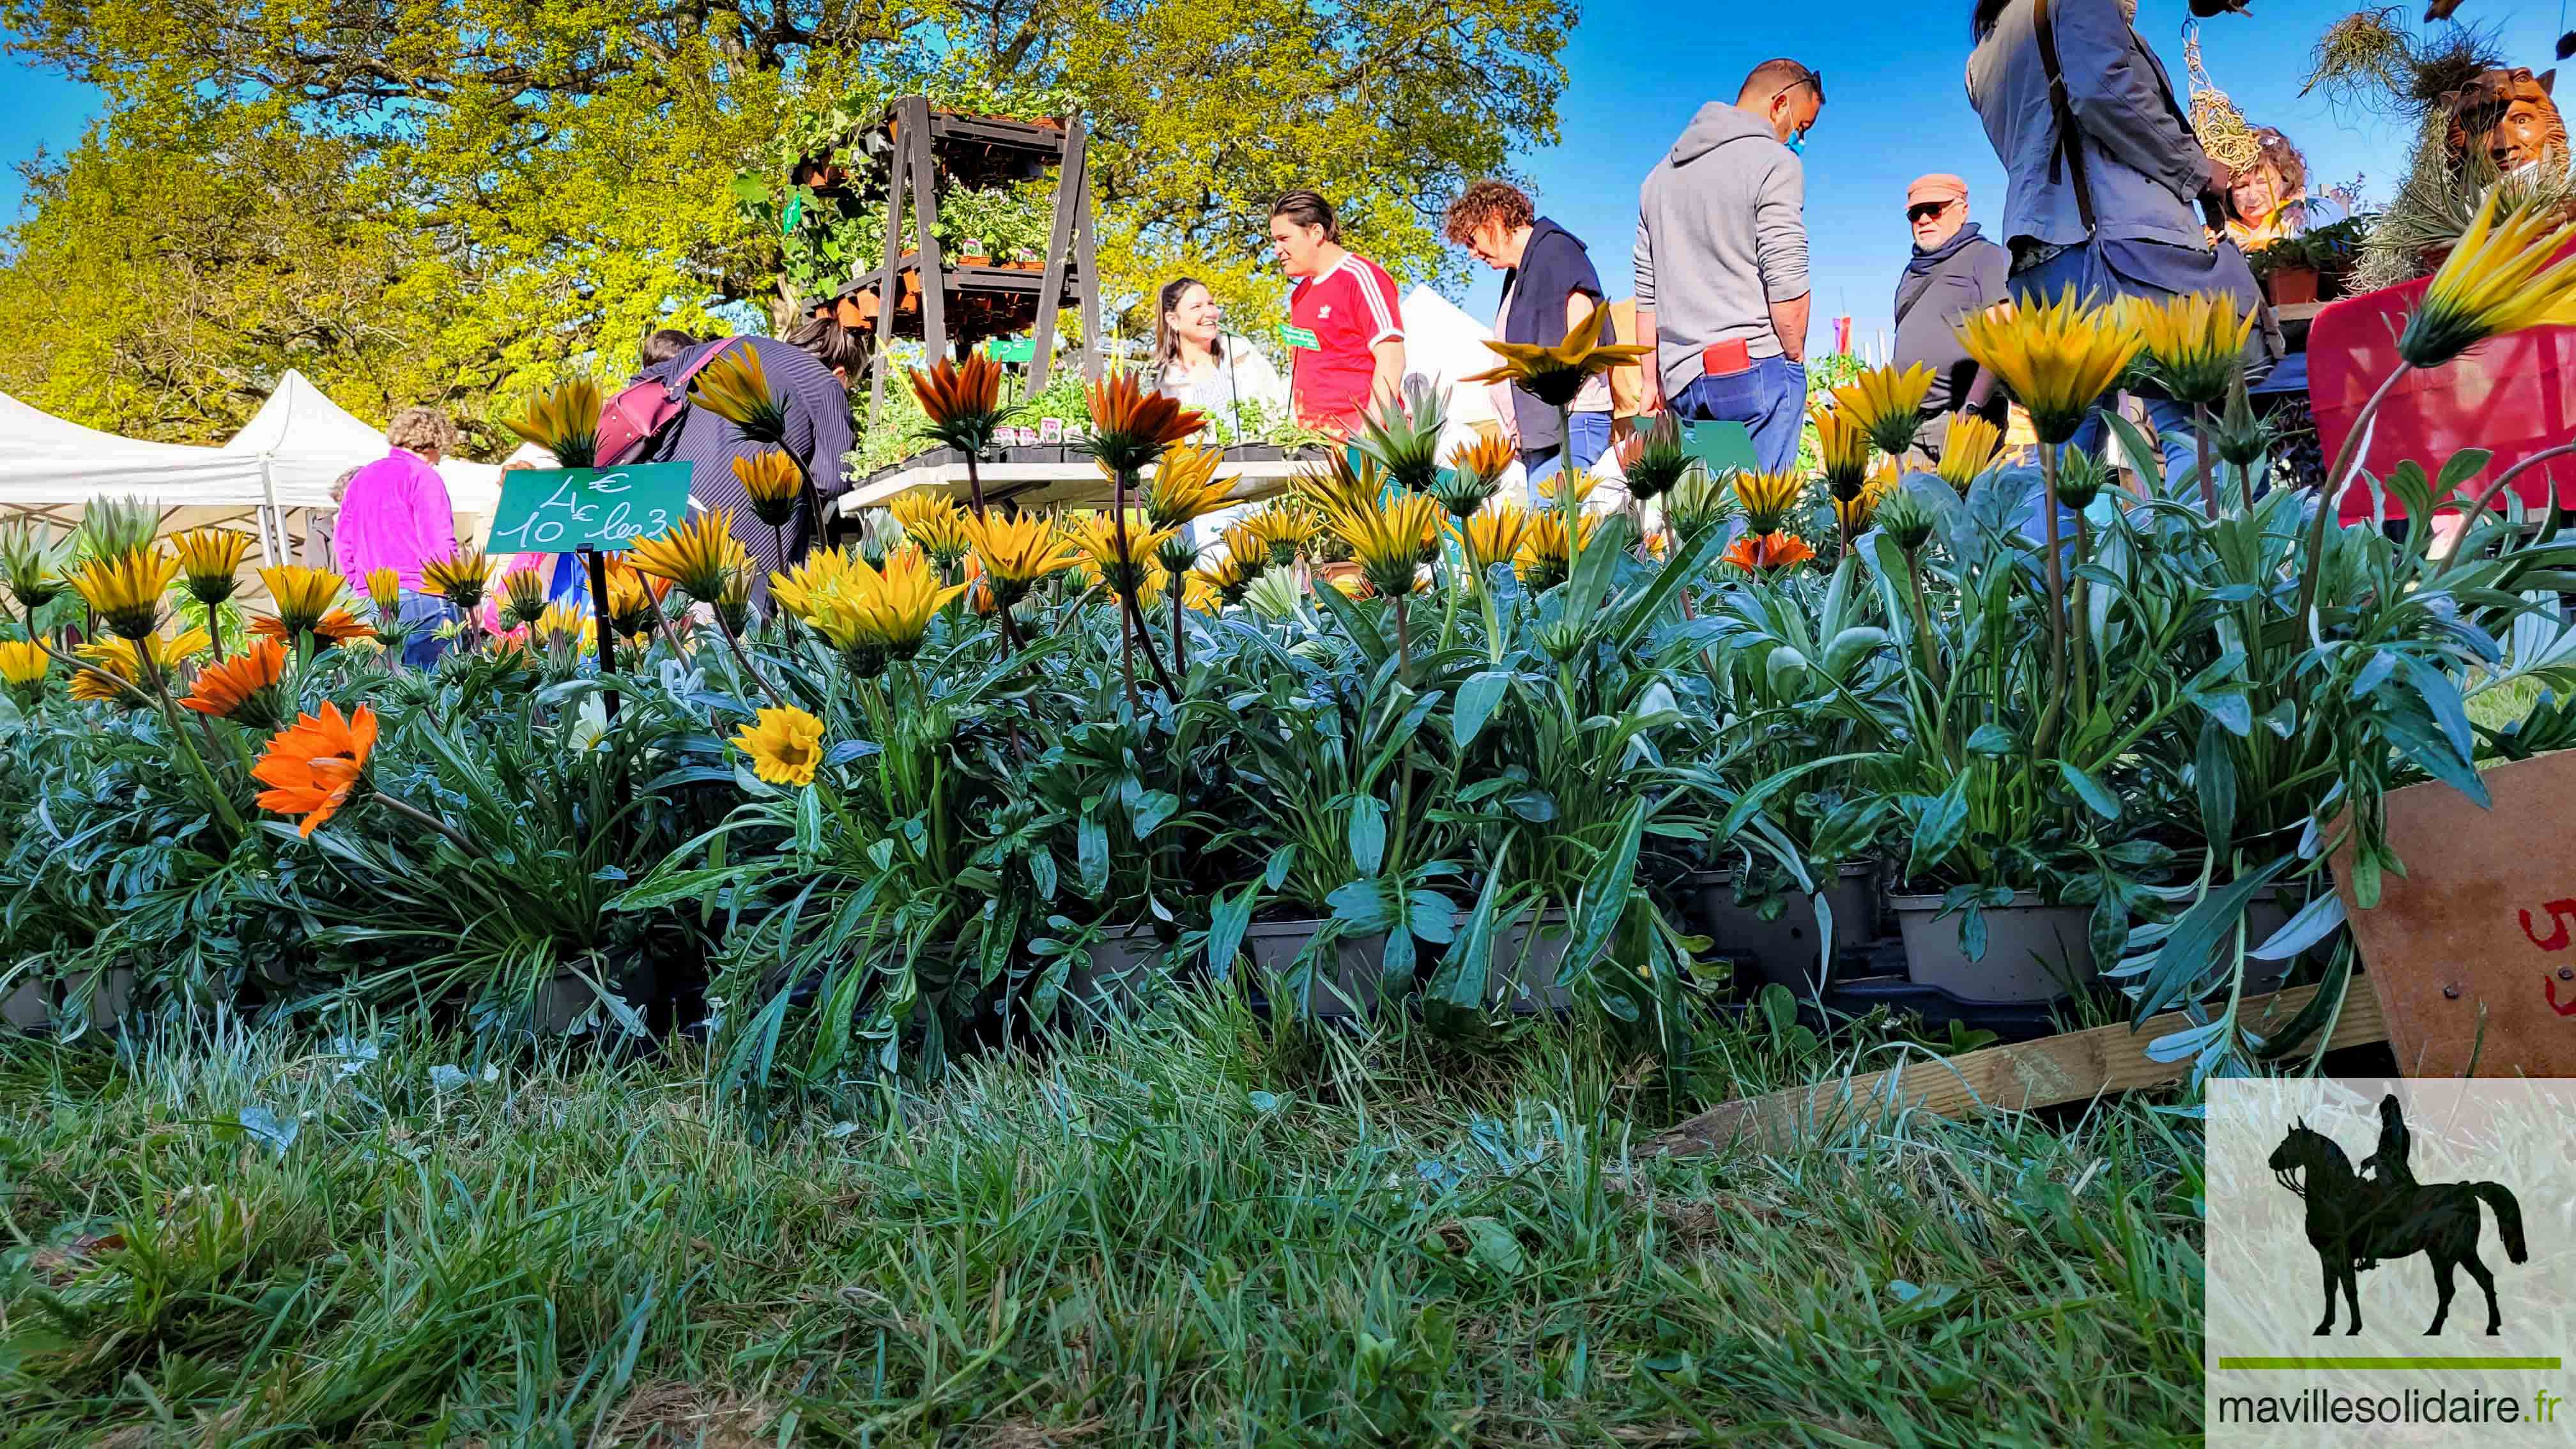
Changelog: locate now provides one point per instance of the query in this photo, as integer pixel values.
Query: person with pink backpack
(652, 420)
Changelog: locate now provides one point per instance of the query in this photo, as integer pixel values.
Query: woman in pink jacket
(396, 516)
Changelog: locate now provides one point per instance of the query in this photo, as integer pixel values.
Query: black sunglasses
(1929, 208)
(1814, 78)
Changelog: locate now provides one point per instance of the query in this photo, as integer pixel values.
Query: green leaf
(1849, 648)
(1477, 699)
(2463, 466)
(2187, 951)
(2090, 791)
(1606, 892)
(1228, 920)
(1364, 906)
(1990, 739)
(1938, 832)
(1368, 833)
(1152, 809)
(2214, 775)
(1091, 855)
(1460, 981)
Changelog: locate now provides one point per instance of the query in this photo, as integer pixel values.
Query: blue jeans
(421, 614)
(1769, 398)
(1591, 436)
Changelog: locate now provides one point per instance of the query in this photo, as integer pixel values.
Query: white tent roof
(311, 440)
(46, 461)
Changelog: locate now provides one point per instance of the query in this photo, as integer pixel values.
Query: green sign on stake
(566, 510)
(1012, 349)
(1721, 446)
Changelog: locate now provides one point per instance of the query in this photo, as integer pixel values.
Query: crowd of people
(2108, 192)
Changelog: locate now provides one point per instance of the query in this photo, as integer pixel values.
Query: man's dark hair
(1772, 77)
(832, 344)
(1981, 20)
(1308, 208)
(664, 343)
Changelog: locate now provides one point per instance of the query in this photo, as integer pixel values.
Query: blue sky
(1897, 107)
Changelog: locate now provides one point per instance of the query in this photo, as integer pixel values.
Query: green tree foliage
(451, 200)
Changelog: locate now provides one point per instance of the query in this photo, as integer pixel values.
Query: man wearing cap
(1955, 272)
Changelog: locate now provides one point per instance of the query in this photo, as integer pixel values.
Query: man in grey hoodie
(1721, 263)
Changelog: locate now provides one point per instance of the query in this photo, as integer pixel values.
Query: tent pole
(268, 524)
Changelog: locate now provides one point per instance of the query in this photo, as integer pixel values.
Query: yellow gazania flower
(23, 663)
(1485, 459)
(2195, 341)
(772, 483)
(2058, 358)
(523, 597)
(1767, 498)
(1386, 540)
(1554, 375)
(125, 657)
(1886, 404)
(633, 599)
(1968, 450)
(563, 621)
(894, 605)
(933, 522)
(1584, 482)
(1185, 486)
(735, 388)
(696, 557)
(1343, 484)
(90, 686)
(1843, 442)
(384, 590)
(1125, 571)
(1228, 578)
(1199, 594)
(785, 745)
(211, 559)
(460, 578)
(1541, 561)
(1283, 527)
(125, 590)
(1494, 537)
(563, 420)
(801, 588)
(2494, 283)
(1245, 542)
(1854, 513)
(1019, 551)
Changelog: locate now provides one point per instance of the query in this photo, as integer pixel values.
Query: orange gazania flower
(1131, 425)
(336, 627)
(314, 765)
(1758, 552)
(962, 400)
(242, 687)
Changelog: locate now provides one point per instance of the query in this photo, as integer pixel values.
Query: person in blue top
(1549, 286)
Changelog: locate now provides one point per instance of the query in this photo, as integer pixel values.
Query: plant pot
(1781, 951)
(1255, 453)
(26, 1007)
(2034, 952)
(1526, 960)
(1344, 985)
(1116, 974)
(2292, 286)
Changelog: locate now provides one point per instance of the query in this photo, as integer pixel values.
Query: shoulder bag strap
(2070, 137)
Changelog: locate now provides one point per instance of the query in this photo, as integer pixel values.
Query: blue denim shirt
(2143, 162)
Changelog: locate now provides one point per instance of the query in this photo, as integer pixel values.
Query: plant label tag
(1300, 337)
(1050, 431)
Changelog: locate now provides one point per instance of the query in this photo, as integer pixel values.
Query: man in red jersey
(1345, 331)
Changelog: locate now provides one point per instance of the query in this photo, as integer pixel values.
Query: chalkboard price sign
(566, 510)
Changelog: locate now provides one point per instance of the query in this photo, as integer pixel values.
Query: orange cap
(1939, 186)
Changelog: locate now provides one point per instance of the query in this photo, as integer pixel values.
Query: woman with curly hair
(2267, 201)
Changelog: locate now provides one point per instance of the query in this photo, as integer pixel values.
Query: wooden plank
(1069, 485)
(925, 217)
(2074, 1067)
(1059, 254)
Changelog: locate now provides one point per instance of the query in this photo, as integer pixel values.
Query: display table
(1075, 483)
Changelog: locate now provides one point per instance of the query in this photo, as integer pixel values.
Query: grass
(1197, 1230)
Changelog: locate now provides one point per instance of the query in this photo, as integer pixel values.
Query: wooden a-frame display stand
(918, 293)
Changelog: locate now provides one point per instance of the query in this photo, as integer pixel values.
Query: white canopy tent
(307, 441)
(51, 470)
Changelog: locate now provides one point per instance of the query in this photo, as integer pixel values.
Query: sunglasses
(1927, 209)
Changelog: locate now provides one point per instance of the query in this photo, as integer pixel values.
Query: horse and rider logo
(2357, 1220)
